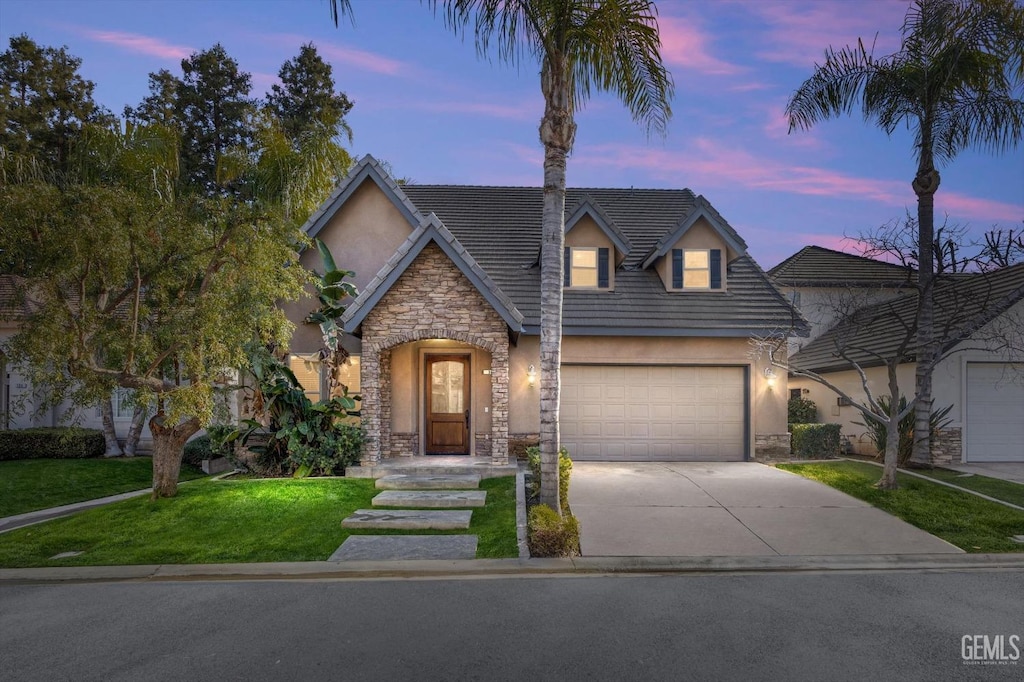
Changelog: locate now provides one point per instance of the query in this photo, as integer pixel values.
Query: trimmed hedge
(802, 411)
(815, 441)
(61, 442)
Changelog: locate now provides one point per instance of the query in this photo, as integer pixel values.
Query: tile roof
(817, 266)
(501, 227)
(963, 304)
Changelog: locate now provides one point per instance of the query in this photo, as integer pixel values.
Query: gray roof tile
(816, 266)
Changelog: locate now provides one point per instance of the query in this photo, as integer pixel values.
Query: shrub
(802, 411)
(208, 446)
(877, 430)
(551, 535)
(564, 472)
(62, 442)
(815, 440)
(334, 451)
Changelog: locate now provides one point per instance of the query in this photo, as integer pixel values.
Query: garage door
(995, 403)
(640, 412)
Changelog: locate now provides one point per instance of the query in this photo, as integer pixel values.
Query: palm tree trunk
(113, 448)
(925, 185)
(557, 131)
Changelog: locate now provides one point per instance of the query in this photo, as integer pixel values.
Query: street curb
(580, 566)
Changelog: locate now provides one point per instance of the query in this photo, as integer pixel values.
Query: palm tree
(582, 45)
(955, 83)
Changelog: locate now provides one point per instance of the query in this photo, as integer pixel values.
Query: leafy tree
(161, 104)
(44, 101)
(955, 83)
(306, 100)
(582, 45)
(137, 285)
(213, 108)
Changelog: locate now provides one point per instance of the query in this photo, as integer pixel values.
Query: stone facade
(432, 299)
(771, 446)
(518, 442)
(947, 446)
(404, 445)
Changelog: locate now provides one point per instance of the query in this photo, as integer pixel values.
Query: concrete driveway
(728, 509)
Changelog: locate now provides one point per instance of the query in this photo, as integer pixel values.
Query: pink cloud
(367, 61)
(684, 45)
(708, 163)
(133, 42)
(522, 111)
(799, 31)
(776, 127)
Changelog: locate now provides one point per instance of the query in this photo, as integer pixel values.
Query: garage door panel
(653, 412)
(995, 429)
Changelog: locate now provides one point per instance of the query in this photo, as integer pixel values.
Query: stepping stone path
(428, 495)
(433, 499)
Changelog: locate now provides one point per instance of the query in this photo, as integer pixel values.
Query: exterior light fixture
(531, 374)
(769, 375)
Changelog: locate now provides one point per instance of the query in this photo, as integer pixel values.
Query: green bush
(334, 451)
(61, 442)
(208, 446)
(551, 535)
(877, 430)
(815, 441)
(564, 472)
(802, 411)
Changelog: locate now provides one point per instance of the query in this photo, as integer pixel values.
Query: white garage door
(995, 413)
(638, 413)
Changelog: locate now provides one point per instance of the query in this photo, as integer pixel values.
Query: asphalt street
(796, 626)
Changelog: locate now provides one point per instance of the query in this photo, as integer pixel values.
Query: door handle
(467, 419)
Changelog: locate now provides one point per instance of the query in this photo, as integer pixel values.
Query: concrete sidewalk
(736, 509)
(29, 518)
(1008, 471)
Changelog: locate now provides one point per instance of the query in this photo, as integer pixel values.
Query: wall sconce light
(769, 375)
(531, 374)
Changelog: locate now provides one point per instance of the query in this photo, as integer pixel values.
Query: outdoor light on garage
(531, 374)
(769, 375)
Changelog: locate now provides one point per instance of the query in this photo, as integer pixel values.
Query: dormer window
(586, 267)
(696, 269)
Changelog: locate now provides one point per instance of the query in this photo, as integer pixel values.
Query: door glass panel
(447, 382)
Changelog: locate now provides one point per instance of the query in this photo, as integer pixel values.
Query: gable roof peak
(702, 208)
(589, 206)
(366, 168)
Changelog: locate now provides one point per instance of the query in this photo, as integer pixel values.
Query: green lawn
(967, 521)
(233, 521)
(1007, 491)
(30, 484)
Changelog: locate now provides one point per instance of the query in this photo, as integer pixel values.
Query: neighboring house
(982, 378)
(660, 301)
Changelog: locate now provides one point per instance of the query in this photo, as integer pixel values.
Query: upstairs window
(586, 267)
(306, 369)
(696, 269)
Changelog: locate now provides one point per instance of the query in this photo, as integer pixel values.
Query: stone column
(369, 378)
(499, 403)
(385, 404)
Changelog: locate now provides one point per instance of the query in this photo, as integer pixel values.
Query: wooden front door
(447, 401)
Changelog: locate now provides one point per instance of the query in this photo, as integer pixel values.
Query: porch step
(433, 499)
(431, 519)
(419, 467)
(398, 547)
(428, 482)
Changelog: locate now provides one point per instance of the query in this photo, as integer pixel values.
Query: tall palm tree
(955, 83)
(582, 45)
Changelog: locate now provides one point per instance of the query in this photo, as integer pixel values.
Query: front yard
(30, 484)
(234, 521)
(967, 521)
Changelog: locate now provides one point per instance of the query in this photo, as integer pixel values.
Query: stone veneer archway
(432, 299)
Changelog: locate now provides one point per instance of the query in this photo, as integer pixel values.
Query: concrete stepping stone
(433, 499)
(397, 547)
(418, 519)
(434, 482)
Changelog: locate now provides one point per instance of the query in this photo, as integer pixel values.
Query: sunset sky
(437, 113)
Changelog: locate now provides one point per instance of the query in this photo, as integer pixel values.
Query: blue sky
(437, 113)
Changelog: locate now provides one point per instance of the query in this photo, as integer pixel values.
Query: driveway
(728, 509)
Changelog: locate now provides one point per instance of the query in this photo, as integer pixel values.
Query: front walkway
(729, 509)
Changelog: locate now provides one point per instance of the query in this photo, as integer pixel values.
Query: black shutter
(567, 277)
(602, 268)
(677, 268)
(716, 268)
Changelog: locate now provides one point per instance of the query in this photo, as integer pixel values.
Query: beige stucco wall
(362, 236)
(768, 404)
(700, 236)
